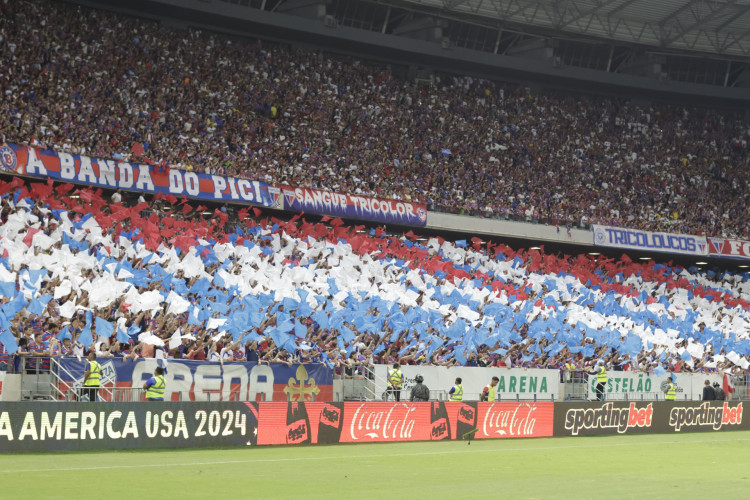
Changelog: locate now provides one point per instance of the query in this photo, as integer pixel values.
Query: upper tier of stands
(96, 83)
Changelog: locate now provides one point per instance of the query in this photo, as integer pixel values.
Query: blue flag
(7, 289)
(86, 338)
(8, 341)
(103, 328)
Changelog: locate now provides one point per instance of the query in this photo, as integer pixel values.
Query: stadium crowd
(80, 272)
(96, 83)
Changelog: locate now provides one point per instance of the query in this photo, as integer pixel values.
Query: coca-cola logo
(510, 421)
(386, 423)
(705, 415)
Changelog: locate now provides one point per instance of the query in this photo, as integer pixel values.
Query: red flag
(325, 218)
(30, 236)
(257, 212)
(242, 213)
(728, 384)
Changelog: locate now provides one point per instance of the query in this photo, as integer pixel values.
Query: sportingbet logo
(705, 415)
(608, 417)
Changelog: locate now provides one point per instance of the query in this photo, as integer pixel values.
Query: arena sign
(200, 381)
(515, 383)
(114, 174)
(634, 239)
(322, 202)
(588, 419)
(721, 247)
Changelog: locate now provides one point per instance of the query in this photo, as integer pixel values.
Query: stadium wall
(49, 426)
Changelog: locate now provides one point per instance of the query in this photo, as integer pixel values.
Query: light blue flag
(7, 289)
(35, 307)
(86, 338)
(659, 370)
(64, 333)
(103, 328)
(122, 335)
(8, 341)
(300, 330)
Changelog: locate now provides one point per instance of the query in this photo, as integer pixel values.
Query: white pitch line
(355, 457)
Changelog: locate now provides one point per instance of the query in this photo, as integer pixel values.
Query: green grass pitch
(699, 465)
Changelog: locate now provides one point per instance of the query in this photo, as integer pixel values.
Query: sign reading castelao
(514, 382)
(635, 239)
(634, 385)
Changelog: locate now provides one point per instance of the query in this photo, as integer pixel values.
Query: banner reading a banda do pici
(114, 174)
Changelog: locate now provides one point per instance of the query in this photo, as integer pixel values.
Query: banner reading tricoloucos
(200, 381)
(321, 202)
(515, 383)
(634, 239)
(113, 174)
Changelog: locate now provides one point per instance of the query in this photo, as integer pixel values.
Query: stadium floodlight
(645, 258)
(594, 254)
(535, 248)
(701, 263)
(744, 266)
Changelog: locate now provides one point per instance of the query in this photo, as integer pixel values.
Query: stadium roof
(709, 26)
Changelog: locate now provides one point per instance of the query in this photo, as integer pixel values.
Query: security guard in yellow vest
(489, 393)
(155, 385)
(670, 394)
(457, 391)
(92, 378)
(395, 381)
(601, 379)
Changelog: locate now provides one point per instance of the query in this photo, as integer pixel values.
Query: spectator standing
(489, 393)
(708, 392)
(420, 392)
(719, 394)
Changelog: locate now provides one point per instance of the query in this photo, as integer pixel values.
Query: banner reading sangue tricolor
(635, 239)
(321, 202)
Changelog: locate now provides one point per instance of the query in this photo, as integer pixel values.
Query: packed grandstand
(159, 276)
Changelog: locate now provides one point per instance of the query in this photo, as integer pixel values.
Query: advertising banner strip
(201, 381)
(322, 202)
(590, 419)
(114, 174)
(634, 239)
(721, 247)
(51, 426)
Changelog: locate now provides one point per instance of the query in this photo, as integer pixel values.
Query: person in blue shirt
(154, 386)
